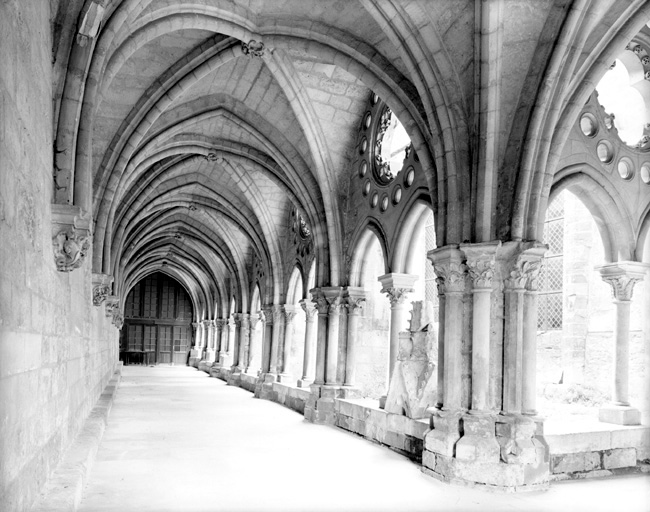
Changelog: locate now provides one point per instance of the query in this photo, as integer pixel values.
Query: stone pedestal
(478, 442)
(620, 415)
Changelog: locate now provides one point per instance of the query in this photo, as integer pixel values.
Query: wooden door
(158, 313)
(181, 344)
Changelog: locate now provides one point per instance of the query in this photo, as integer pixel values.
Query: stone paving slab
(178, 440)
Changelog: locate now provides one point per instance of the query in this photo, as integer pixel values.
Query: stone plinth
(619, 415)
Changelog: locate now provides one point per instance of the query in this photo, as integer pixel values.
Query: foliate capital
(335, 304)
(71, 237)
(481, 261)
(622, 276)
(111, 304)
(290, 312)
(70, 249)
(449, 266)
(397, 296)
(220, 322)
(101, 288)
(118, 318)
(309, 308)
(524, 273)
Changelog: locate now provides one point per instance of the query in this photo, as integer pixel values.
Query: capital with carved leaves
(622, 276)
(111, 303)
(523, 273)
(71, 236)
(355, 299)
(480, 260)
(397, 287)
(101, 287)
(309, 308)
(449, 266)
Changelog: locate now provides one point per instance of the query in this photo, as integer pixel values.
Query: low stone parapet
(364, 417)
(587, 448)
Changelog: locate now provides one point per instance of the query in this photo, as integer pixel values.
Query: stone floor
(178, 440)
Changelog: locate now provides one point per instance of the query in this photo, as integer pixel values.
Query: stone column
(210, 349)
(479, 442)
(267, 338)
(224, 353)
(622, 277)
(397, 287)
(448, 263)
(278, 332)
(195, 351)
(309, 360)
(244, 341)
(219, 323)
(355, 301)
(529, 356)
(480, 261)
(252, 334)
(231, 341)
(322, 307)
(236, 332)
(335, 302)
(289, 314)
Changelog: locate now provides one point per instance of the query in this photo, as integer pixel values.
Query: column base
(478, 442)
(285, 378)
(321, 405)
(264, 386)
(234, 379)
(210, 356)
(304, 383)
(619, 415)
(513, 460)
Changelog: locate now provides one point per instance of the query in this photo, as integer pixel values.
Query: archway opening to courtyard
(576, 317)
(372, 361)
(294, 339)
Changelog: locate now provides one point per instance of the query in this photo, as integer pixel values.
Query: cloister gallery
(423, 222)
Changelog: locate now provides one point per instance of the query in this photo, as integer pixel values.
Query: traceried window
(549, 301)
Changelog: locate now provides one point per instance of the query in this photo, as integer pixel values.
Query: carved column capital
(111, 302)
(71, 237)
(220, 323)
(622, 277)
(101, 288)
(397, 287)
(355, 299)
(206, 323)
(449, 266)
(323, 297)
(480, 260)
(290, 312)
(267, 310)
(118, 317)
(524, 271)
(309, 308)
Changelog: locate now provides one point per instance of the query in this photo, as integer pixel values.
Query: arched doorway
(157, 324)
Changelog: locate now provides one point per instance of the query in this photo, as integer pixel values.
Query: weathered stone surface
(573, 462)
(619, 458)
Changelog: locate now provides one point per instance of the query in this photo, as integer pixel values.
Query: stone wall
(57, 350)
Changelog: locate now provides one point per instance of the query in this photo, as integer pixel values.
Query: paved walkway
(178, 440)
